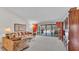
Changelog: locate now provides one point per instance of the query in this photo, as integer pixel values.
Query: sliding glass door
(48, 30)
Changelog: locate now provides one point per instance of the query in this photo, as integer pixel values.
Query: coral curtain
(35, 27)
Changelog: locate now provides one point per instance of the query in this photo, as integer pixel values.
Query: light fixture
(8, 30)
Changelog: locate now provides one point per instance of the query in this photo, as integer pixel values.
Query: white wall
(8, 19)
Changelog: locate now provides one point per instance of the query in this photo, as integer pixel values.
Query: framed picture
(19, 27)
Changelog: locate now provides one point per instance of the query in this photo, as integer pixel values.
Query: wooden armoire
(73, 44)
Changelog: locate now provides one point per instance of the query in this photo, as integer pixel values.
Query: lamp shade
(8, 30)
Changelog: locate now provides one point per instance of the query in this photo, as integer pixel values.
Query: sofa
(17, 41)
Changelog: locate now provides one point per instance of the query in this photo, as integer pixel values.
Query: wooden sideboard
(14, 45)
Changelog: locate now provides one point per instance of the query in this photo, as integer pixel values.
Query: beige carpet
(44, 43)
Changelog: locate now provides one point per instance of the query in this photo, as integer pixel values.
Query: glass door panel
(55, 29)
(43, 30)
(48, 30)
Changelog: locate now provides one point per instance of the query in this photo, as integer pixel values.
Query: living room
(37, 28)
(13, 20)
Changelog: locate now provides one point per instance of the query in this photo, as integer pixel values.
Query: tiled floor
(44, 43)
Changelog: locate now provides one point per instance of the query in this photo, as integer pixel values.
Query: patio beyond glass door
(48, 30)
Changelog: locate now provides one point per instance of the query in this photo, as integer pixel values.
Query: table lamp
(7, 32)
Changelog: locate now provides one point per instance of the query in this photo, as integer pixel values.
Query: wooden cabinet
(73, 44)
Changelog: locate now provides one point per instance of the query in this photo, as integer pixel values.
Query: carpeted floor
(44, 43)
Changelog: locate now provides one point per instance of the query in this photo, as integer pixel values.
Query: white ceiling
(39, 14)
